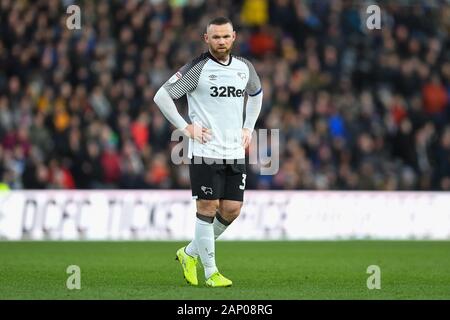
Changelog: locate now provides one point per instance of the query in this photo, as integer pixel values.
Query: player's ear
(234, 35)
(205, 37)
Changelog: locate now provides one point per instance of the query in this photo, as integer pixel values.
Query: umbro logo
(242, 75)
(206, 190)
(212, 77)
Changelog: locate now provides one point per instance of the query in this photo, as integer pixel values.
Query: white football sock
(220, 225)
(191, 249)
(219, 228)
(204, 241)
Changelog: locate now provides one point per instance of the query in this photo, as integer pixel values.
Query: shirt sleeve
(254, 84)
(185, 79)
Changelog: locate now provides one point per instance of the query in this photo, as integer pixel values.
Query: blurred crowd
(357, 109)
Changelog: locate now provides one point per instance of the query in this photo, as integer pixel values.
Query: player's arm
(253, 110)
(254, 103)
(165, 103)
(178, 85)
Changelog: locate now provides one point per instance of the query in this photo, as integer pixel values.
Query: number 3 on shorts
(242, 187)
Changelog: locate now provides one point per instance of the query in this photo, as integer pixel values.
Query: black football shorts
(213, 179)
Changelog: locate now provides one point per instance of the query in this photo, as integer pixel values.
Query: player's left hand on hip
(246, 137)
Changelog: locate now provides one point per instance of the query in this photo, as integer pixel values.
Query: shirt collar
(215, 60)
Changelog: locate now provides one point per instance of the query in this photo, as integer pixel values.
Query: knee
(207, 207)
(230, 211)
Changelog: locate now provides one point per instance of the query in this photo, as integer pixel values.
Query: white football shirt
(215, 93)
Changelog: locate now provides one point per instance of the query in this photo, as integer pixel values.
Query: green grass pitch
(259, 270)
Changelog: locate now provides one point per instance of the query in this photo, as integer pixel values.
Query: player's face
(220, 39)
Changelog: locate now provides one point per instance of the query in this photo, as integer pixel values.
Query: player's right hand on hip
(197, 132)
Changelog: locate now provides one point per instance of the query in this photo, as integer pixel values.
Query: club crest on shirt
(242, 75)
